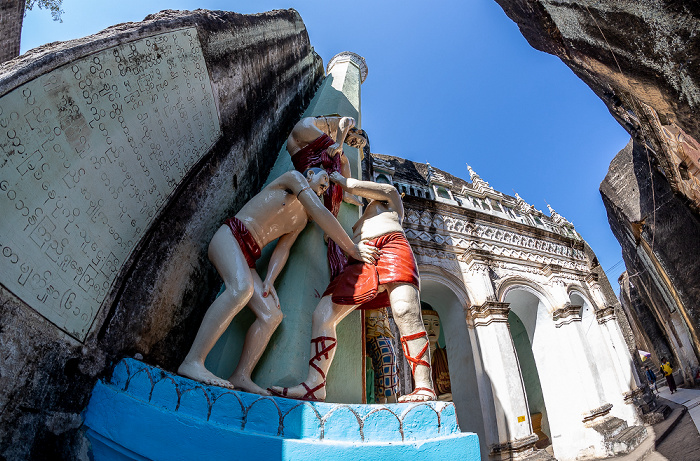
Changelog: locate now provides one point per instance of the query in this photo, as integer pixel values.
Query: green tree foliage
(52, 5)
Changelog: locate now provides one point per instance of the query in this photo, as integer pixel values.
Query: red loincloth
(358, 284)
(314, 155)
(248, 245)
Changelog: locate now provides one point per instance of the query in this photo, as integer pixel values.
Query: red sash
(248, 245)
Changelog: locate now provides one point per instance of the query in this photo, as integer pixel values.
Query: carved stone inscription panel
(90, 153)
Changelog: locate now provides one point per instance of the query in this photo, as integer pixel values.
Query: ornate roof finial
(472, 173)
(522, 205)
(556, 217)
(477, 182)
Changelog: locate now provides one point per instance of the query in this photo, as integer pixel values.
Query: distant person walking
(668, 373)
(651, 378)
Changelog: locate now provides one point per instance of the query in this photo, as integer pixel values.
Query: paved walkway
(677, 438)
(689, 398)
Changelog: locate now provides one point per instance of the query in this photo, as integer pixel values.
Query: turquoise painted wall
(303, 280)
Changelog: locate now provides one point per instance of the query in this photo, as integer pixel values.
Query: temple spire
(556, 217)
(476, 180)
(472, 173)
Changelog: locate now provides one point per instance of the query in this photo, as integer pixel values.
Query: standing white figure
(281, 210)
(393, 281)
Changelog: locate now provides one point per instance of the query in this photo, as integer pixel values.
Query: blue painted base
(143, 412)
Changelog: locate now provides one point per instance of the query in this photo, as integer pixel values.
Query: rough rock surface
(659, 234)
(263, 72)
(642, 58)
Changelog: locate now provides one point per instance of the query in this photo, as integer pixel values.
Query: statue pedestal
(144, 412)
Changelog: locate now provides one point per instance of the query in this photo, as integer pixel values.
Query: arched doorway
(523, 323)
(444, 295)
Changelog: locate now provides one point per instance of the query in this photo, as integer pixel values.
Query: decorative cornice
(597, 413)
(514, 447)
(349, 56)
(566, 315)
(469, 215)
(488, 313)
(472, 255)
(605, 314)
(592, 278)
(383, 166)
(506, 243)
(551, 269)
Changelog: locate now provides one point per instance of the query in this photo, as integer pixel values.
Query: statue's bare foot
(246, 384)
(197, 371)
(420, 394)
(352, 199)
(313, 393)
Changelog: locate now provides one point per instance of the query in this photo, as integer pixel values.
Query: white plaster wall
(608, 375)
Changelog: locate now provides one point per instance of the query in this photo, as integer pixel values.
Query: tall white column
(508, 426)
(501, 365)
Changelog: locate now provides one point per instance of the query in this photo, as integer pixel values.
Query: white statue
(393, 281)
(281, 210)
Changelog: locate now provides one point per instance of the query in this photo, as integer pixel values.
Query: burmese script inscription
(89, 154)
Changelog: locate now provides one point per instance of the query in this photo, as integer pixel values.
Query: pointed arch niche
(526, 318)
(446, 295)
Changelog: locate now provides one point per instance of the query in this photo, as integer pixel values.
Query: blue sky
(450, 83)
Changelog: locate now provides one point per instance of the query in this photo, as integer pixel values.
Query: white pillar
(500, 363)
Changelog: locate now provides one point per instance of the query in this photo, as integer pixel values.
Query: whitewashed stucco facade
(490, 263)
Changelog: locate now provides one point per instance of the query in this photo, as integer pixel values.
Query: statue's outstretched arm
(371, 190)
(320, 214)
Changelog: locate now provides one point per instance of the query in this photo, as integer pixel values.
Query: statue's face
(355, 140)
(318, 182)
(432, 327)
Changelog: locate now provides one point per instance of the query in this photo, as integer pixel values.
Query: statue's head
(318, 180)
(431, 321)
(356, 138)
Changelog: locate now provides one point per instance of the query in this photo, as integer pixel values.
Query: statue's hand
(269, 290)
(366, 253)
(346, 123)
(334, 149)
(337, 178)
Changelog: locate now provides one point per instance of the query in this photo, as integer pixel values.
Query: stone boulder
(642, 58)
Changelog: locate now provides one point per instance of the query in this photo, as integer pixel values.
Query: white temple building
(536, 354)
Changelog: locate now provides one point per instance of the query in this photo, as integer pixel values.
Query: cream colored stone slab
(90, 153)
